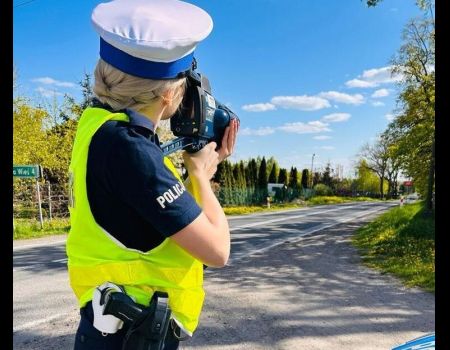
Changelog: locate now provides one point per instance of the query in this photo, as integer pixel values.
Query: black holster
(147, 326)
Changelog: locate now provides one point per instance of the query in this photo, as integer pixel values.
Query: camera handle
(190, 144)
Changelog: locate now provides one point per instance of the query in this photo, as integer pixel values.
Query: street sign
(408, 183)
(27, 171)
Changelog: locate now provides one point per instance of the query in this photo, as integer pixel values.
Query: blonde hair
(121, 90)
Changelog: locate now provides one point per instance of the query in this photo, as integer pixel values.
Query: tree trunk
(381, 187)
(429, 200)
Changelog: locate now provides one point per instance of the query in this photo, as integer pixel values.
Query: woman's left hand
(229, 140)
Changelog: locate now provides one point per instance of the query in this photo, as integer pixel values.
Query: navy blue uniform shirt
(133, 196)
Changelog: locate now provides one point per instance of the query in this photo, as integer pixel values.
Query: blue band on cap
(143, 68)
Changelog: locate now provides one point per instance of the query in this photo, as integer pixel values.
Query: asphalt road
(46, 314)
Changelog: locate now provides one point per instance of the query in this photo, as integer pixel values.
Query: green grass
(30, 228)
(401, 242)
(320, 200)
(242, 210)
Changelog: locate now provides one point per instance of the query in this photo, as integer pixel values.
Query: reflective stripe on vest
(96, 257)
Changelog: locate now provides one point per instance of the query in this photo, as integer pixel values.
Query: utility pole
(312, 168)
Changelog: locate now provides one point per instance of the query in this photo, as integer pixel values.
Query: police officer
(134, 222)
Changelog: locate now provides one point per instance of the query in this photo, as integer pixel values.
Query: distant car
(424, 342)
(412, 198)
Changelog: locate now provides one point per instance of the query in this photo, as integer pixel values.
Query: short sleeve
(145, 184)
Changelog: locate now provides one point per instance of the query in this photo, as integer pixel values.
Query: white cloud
(47, 92)
(305, 128)
(262, 131)
(358, 83)
(336, 117)
(322, 137)
(380, 93)
(355, 99)
(304, 102)
(374, 77)
(51, 81)
(377, 104)
(259, 107)
(390, 117)
(327, 148)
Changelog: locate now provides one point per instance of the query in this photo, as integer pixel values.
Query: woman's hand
(228, 141)
(202, 163)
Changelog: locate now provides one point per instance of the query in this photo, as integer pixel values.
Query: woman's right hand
(202, 163)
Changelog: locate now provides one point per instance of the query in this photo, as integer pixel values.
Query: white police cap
(152, 39)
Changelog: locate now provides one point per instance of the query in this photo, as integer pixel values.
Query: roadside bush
(323, 190)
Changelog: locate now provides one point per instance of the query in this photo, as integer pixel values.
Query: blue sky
(305, 77)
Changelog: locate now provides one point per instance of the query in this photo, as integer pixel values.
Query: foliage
(305, 178)
(415, 126)
(321, 200)
(366, 180)
(411, 144)
(282, 176)
(262, 180)
(273, 174)
(323, 190)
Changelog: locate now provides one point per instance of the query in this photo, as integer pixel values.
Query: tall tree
(416, 124)
(305, 178)
(366, 180)
(282, 176)
(376, 157)
(326, 176)
(273, 174)
(293, 178)
(262, 180)
(86, 89)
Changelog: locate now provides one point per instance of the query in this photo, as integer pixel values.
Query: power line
(24, 3)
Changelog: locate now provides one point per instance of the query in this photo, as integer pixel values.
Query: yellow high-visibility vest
(95, 257)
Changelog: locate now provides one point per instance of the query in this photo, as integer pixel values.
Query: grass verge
(320, 200)
(401, 242)
(30, 228)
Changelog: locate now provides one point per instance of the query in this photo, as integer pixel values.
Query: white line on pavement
(35, 323)
(302, 235)
(287, 218)
(38, 245)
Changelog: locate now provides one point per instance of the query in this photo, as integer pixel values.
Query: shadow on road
(312, 294)
(312, 289)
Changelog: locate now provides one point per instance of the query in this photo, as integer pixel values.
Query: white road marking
(342, 205)
(287, 218)
(301, 235)
(38, 245)
(35, 323)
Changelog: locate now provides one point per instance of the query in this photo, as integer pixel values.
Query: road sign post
(39, 203)
(49, 202)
